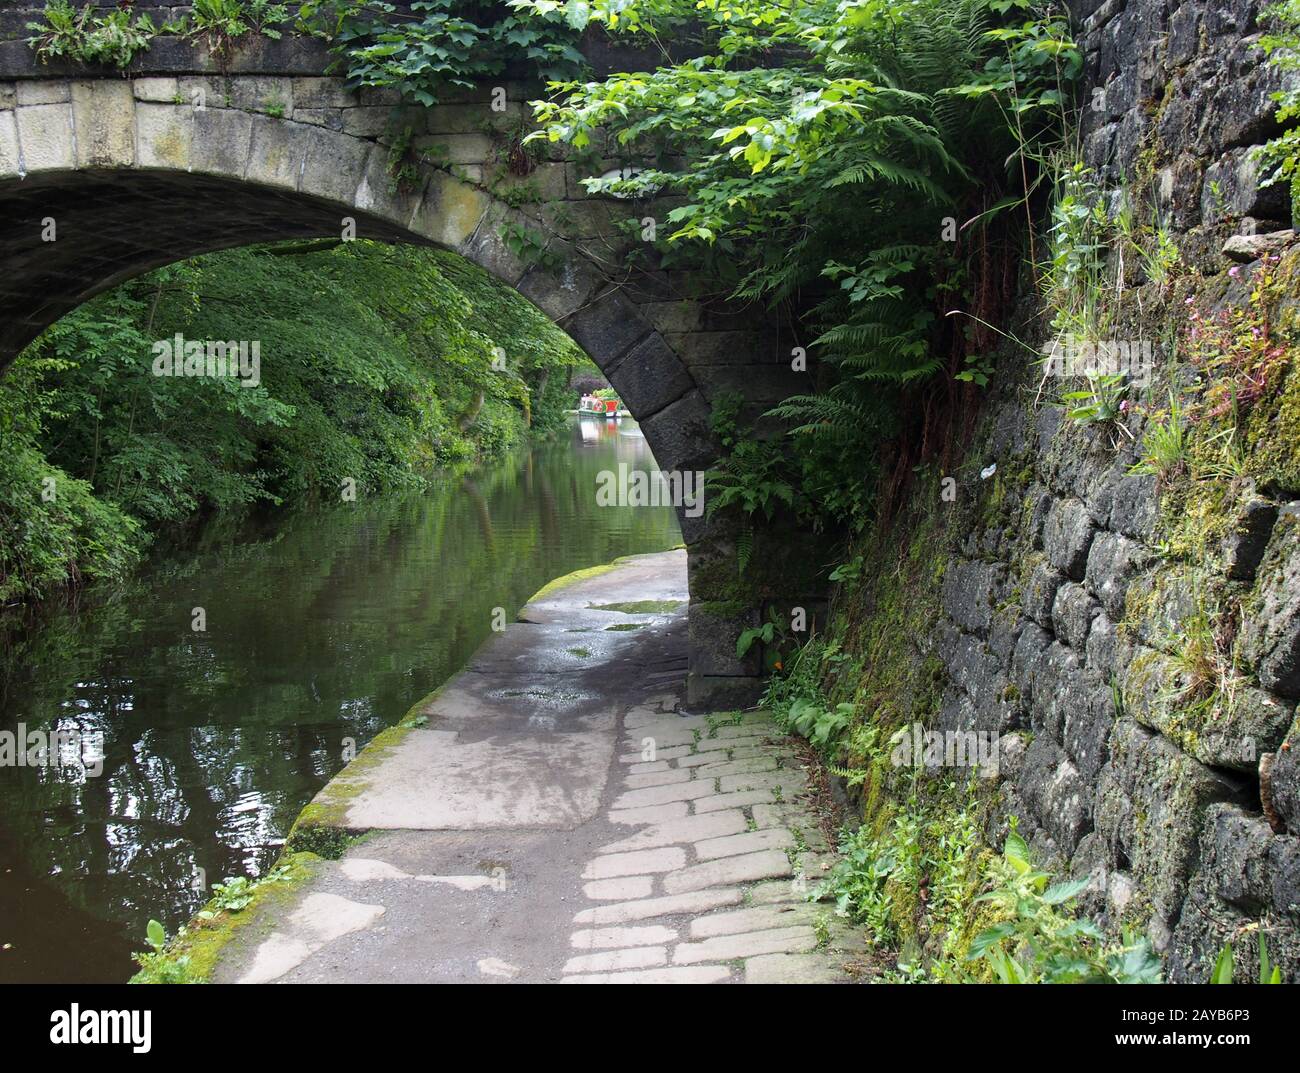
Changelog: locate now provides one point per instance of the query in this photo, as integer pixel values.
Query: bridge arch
(102, 179)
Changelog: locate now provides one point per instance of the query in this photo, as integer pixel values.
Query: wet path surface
(556, 818)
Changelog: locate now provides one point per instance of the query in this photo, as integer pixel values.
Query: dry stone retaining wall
(1065, 618)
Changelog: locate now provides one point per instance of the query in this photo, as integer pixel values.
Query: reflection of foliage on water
(376, 366)
(325, 625)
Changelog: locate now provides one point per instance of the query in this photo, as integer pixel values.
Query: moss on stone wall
(888, 665)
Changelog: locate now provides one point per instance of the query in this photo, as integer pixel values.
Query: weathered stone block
(1039, 593)
(277, 152)
(558, 290)
(1184, 34)
(1026, 661)
(9, 157)
(1152, 677)
(222, 138)
(372, 96)
(44, 91)
(1038, 503)
(1134, 509)
(1234, 854)
(612, 223)
(970, 665)
(362, 122)
(1052, 787)
(322, 93)
(683, 316)
(649, 377)
(1271, 632)
(1245, 725)
(713, 635)
(1113, 560)
(1244, 547)
(1067, 537)
(607, 328)
(1162, 798)
(103, 113)
(1056, 690)
(1232, 190)
(1245, 881)
(45, 133)
(1087, 726)
(488, 246)
(1103, 648)
(542, 186)
(455, 148)
(156, 90)
(723, 348)
(762, 386)
(680, 435)
(1205, 925)
(1284, 872)
(720, 692)
(1163, 604)
(205, 91)
(166, 135)
(1072, 613)
(329, 118)
(471, 118)
(1285, 778)
(956, 711)
(1232, 98)
(970, 590)
(1246, 249)
(269, 95)
(1004, 633)
(332, 163)
(450, 211)
(378, 195)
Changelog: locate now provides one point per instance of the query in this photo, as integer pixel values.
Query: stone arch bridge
(181, 155)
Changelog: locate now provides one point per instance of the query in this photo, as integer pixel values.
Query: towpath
(550, 815)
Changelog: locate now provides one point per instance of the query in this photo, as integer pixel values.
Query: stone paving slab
(513, 839)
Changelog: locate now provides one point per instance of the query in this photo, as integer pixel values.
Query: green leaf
(1016, 851)
(156, 935)
(989, 938)
(1223, 967)
(1063, 892)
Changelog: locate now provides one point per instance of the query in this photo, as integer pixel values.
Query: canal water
(320, 627)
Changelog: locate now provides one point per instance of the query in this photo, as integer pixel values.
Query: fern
(820, 184)
(744, 548)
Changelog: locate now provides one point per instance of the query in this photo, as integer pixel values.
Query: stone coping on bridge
(291, 54)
